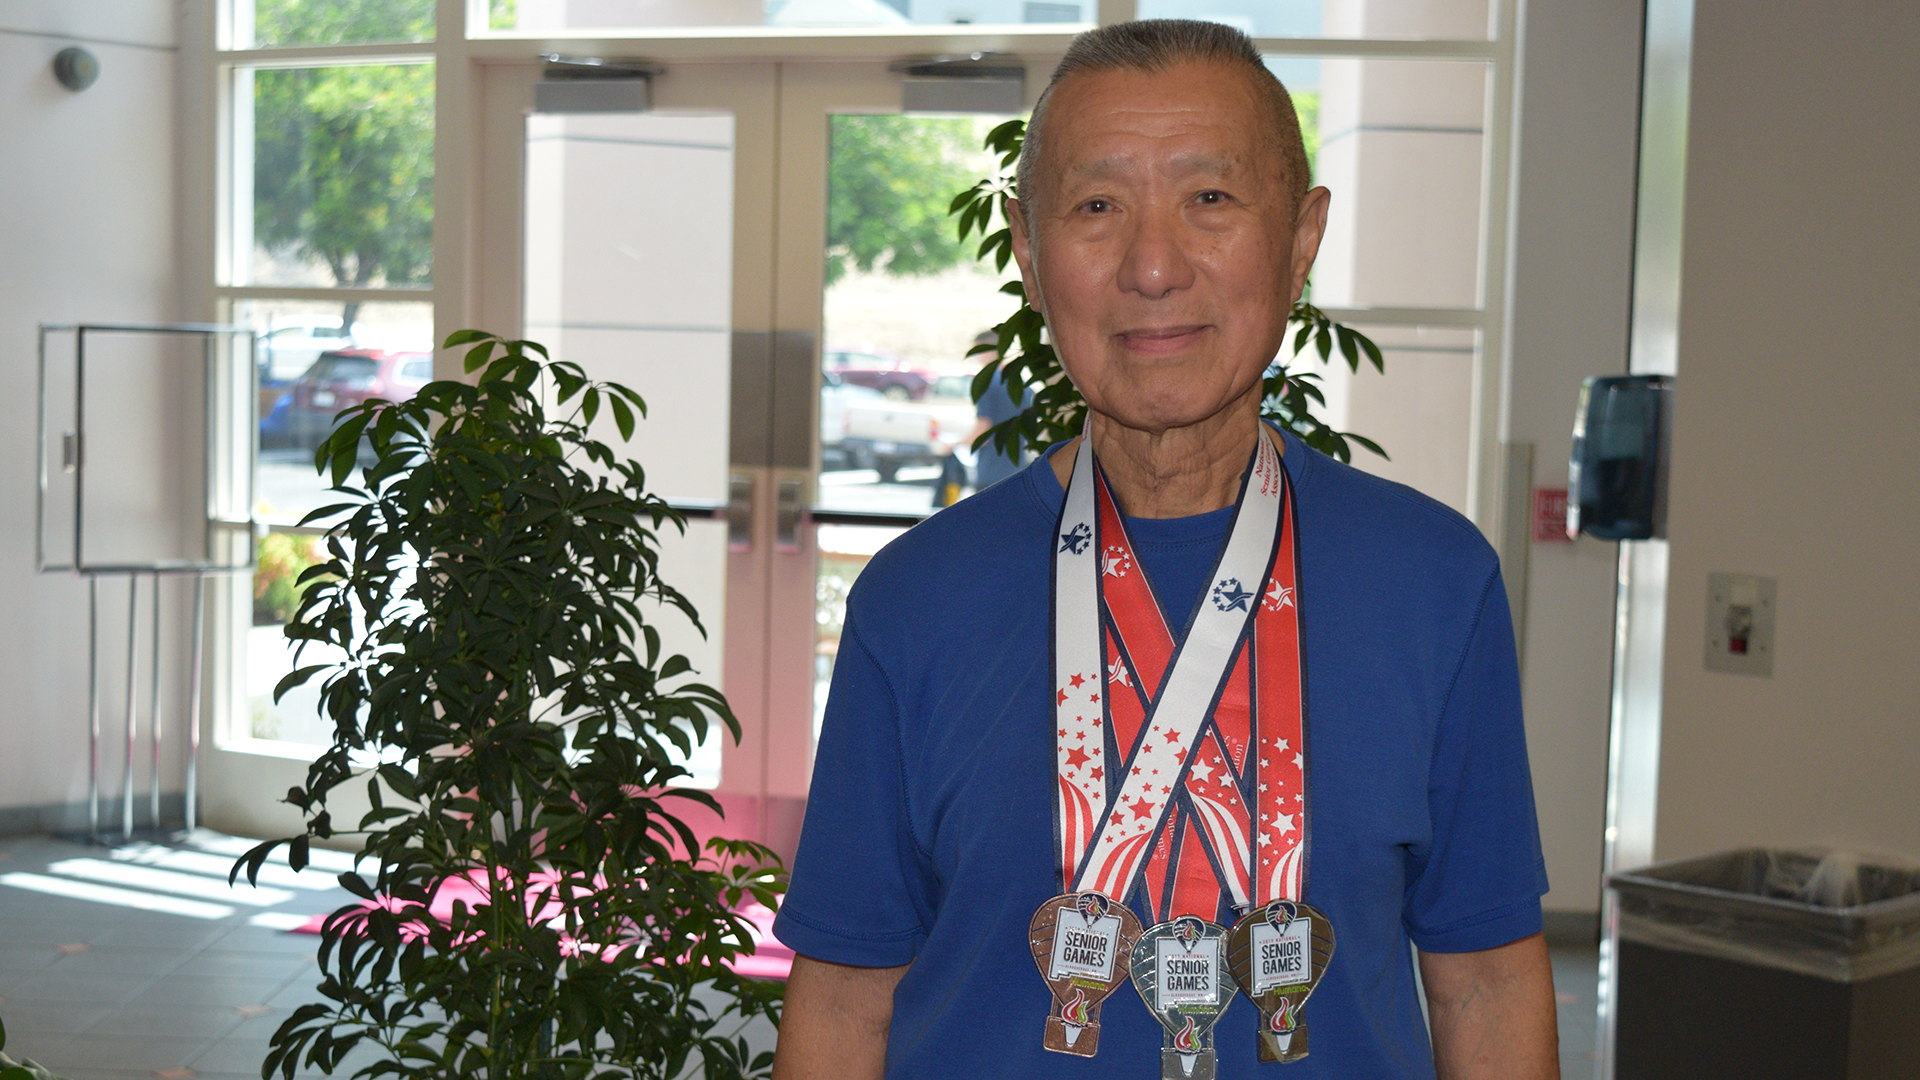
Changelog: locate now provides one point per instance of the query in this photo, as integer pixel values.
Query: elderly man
(1153, 759)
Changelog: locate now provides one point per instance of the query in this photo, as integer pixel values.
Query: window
(1449, 19)
(717, 16)
(327, 254)
(267, 24)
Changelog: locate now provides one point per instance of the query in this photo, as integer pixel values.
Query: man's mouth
(1160, 339)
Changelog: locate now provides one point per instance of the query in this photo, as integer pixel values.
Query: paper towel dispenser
(1617, 480)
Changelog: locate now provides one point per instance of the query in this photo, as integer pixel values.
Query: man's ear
(1309, 228)
(1023, 254)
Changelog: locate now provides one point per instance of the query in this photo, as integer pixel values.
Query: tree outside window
(343, 156)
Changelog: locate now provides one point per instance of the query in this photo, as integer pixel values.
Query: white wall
(1795, 427)
(87, 205)
(1571, 282)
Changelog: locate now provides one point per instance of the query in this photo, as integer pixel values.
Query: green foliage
(343, 156)
(493, 581)
(1306, 106)
(279, 560)
(883, 202)
(1056, 411)
(343, 169)
(341, 22)
(23, 1070)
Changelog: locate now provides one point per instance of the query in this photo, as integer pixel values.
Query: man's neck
(1174, 473)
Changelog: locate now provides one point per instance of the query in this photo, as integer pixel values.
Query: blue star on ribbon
(1229, 596)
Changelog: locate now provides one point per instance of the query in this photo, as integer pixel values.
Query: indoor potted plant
(537, 909)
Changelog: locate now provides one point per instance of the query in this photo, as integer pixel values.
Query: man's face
(1164, 253)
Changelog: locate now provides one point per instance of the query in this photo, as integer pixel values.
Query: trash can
(1762, 964)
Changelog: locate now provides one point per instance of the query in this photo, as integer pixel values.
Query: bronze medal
(1180, 968)
(1277, 954)
(1082, 943)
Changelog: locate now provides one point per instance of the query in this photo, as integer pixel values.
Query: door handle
(789, 507)
(740, 512)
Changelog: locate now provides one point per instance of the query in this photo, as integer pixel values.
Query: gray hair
(1155, 45)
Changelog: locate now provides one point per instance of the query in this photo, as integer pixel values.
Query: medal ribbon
(1209, 791)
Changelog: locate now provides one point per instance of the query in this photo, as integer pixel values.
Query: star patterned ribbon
(1208, 797)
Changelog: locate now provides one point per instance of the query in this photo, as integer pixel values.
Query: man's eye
(1097, 206)
(1211, 198)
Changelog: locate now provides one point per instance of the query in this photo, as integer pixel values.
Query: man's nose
(1156, 262)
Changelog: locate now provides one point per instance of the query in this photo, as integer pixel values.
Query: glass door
(657, 252)
(741, 254)
(904, 302)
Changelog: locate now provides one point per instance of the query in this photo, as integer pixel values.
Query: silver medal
(1180, 970)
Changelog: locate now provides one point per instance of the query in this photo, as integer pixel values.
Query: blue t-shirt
(929, 834)
(997, 406)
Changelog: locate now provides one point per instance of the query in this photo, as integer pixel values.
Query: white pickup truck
(887, 436)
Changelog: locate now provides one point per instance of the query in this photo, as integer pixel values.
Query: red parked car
(890, 375)
(344, 378)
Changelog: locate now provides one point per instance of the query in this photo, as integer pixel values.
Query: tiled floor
(138, 962)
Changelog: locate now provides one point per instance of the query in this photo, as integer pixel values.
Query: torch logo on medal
(1077, 941)
(1277, 954)
(1181, 973)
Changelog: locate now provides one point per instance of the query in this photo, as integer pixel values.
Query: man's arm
(1492, 1012)
(834, 1023)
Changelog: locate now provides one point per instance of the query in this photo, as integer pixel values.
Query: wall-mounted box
(1617, 478)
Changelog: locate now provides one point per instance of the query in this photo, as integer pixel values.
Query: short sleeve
(1478, 884)
(859, 892)
(997, 404)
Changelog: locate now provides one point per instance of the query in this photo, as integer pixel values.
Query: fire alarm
(75, 67)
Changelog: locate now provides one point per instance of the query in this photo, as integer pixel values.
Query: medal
(1181, 766)
(1180, 969)
(1083, 943)
(1277, 954)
